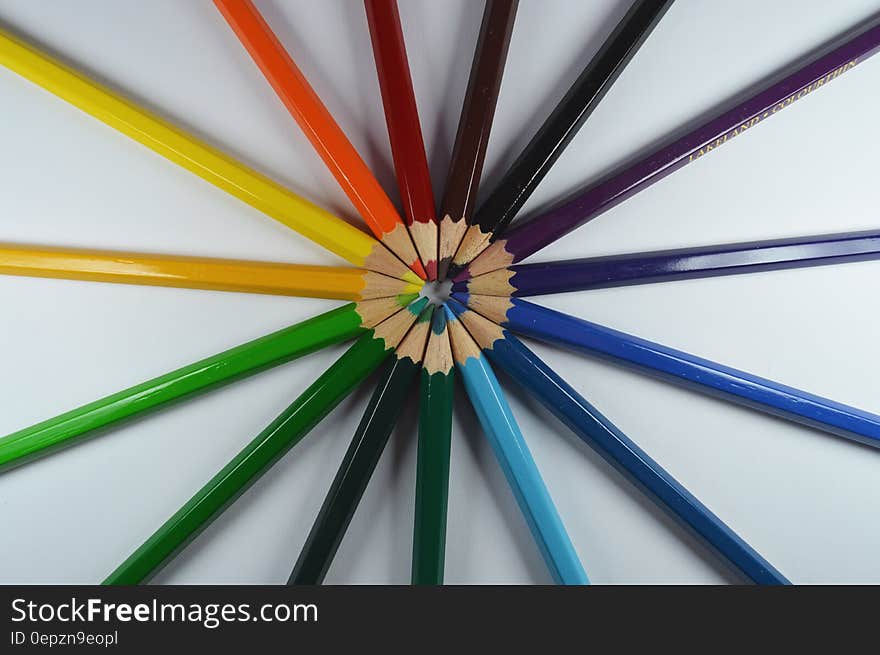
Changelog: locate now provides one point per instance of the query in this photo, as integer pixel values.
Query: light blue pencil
(514, 457)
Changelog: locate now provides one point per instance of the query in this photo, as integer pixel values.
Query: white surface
(807, 501)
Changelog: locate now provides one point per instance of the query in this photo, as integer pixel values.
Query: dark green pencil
(368, 352)
(362, 456)
(432, 474)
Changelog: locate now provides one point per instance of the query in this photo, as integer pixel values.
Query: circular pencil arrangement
(399, 330)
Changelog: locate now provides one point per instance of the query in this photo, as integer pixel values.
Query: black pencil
(362, 455)
(559, 129)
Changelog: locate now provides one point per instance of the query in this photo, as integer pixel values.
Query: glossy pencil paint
(679, 367)
(530, 237)
(362, 456)
(525, 368)
(247, 359)
(287, 430)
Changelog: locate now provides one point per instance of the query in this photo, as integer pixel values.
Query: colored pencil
(362, 456)
(540, 231)
(474, 126)
(325, 135)
(514, 456)
(436, 389)
(201, 273)
(680, 367)
(526, 368)
(198, 157)
(524, 280)
(404, 130)
(561, 126)
(236, 363)
(368, 352)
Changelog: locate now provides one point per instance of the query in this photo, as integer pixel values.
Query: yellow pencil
(201, 273)
(207, 162)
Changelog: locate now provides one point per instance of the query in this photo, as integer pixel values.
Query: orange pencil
(323, 132)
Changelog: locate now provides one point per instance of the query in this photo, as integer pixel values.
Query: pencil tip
(459, 287)
(463, 298)
(431, 270)
(448, 312)
(406, 298)
(417, 306)
(462, 275)
(412, 278)
(457, 308)
(419, 269)
(454, 269)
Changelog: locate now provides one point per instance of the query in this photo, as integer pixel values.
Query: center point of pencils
(437, 292)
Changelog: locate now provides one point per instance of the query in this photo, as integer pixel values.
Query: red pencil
(404, 130)
(328, 139)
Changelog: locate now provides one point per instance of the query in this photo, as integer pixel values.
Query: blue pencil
(679, 367)
(527, 369)
(514, 457)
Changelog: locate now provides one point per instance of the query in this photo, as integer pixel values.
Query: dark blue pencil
(526, 368)
(525, 280)
(679, 367)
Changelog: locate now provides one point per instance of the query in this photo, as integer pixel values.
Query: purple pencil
(528, 238)
(525, 280)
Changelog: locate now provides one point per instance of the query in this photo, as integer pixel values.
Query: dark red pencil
(404, 130)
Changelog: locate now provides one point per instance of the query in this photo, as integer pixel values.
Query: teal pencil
(514, 457)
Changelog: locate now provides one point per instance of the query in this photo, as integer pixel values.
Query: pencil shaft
(189, 152)
(432, 477)
(695, 372)
(474, 125)
(682, 264)
(246, 467)
(566, 119)
(525, 368)
(530, 237)
(318, 125)
(201, 273)
(514, 457)
(354, 472)
(233, 364)
(404, 130)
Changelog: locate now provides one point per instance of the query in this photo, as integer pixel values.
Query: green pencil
(362, 456)
(252, 357)
(432, 472)
(368, 352)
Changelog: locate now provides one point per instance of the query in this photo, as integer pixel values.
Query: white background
(807, 501)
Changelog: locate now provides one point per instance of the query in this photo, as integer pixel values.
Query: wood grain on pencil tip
(560, 127)
(318, 125)
(201, 273)
(474, 127)
(404, 129)
(198, 157)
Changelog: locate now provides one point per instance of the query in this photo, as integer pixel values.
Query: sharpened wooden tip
(463, 345)
(491, 259)
(377, 285)
(472, 244)
(484, 331)
(438, 354)
(383, 260)
(413, 345)
(451, 233)
(373, 312)
(496, 283)
(494, 308)
(394, 328)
